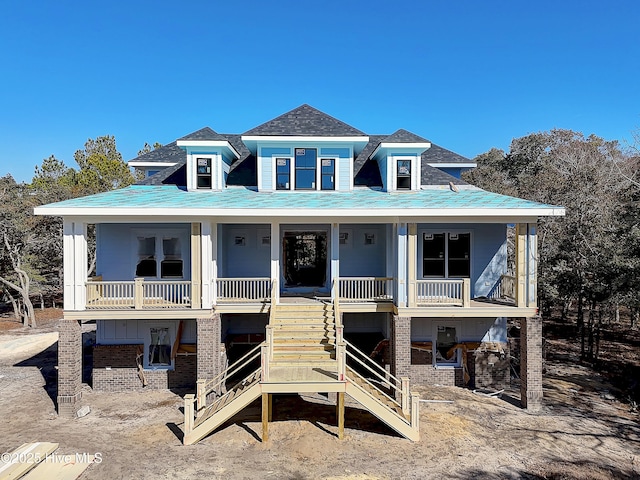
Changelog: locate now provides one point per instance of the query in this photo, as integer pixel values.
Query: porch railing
(504, 289)
(138, 294)
(243, 289)
(365, 289)
(444, 292)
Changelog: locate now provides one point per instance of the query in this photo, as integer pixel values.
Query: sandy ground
(580, 434)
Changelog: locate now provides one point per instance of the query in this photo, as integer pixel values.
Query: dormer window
(204, 172)
(305, 165)
(404, 175)
(283, 174)
(328, 174)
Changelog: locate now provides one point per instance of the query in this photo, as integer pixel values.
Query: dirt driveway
(580, 434)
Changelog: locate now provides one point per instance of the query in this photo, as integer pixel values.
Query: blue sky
(469, 75)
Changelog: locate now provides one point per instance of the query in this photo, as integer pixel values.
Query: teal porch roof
(170, 200)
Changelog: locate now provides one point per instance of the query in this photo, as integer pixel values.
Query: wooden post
(188, 413)
(405, 394)
(264, 360)
(415, 411)
(341, 355)
(340, 415)
(202, 398)
(271, 407)
(138, 293)
(466, 292)
(265, 417)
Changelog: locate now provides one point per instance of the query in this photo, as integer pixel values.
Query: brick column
(209, 338)
(531, 363)
(400, 345)
(69, 367)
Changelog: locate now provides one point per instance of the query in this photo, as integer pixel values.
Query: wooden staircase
(304, 352)
(303, 334)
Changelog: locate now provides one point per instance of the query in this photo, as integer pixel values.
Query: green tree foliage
(30, 246)
(581, 256)
(101, 166)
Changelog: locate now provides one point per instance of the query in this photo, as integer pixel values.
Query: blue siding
(253, 259)
(358, 259)
(382, 164)
(116, 248)
(267, 174)
(270, 151)
(335, 152)
(344, 174)
(488, 252)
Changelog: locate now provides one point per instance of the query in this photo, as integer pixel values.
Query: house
(303, 255)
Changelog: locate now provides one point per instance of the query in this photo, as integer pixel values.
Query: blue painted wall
(358, 259)
(116, 247)
(253, 259)
(488, 252)
(470, 329)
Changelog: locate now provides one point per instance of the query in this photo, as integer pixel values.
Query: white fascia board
(151, 164)
(407, 213)
(420, 145)
(386, 145)
(208, 143)
(298, 139)
(452, 165)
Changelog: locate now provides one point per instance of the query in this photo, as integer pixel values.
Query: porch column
(412, 255)
(532, 265)
(531, 363)
(209, 339)
(196, 266)
(75, 264)
(214, 263)
(69, 367)
(521, 264)
(400, 346)
(402, 265)
(275, 260)
(335, 259)
(206, 263)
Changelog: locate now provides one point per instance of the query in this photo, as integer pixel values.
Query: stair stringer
(381, 411)
(217, 418)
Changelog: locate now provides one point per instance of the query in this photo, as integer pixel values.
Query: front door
(304, 258)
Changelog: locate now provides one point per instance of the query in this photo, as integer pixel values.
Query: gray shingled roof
(404, 136)
(437, 154)
(205, 133)
(308, 121)
(169, 153)
(304, 120)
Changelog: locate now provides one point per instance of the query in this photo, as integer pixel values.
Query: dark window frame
(204, 173)
(403, 176)
(330, 174)
(447, 259)
(285, 172)
(301, 168)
